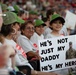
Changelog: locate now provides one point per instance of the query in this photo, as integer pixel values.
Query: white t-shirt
(47, 30)
(21, 58)
(34, 39)
(63, 31)
(25, 43)
(52, 36)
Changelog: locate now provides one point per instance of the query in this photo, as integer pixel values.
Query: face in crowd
(39, 29)
(27, 29)
(70, 44)
(56, 25)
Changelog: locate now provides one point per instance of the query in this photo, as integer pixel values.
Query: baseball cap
(11, 18)
(17, 8)
(33, 12)
(4, 7)
(39, 22)
(56, 17)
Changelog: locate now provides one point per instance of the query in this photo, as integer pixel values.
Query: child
(39, 30)
(56, 24)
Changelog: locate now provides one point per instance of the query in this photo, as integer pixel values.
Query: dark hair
(50, 12)
(70, 43)
(45, 19)
(56, 20)
(23, 26)
(21, 12)
(7, 29)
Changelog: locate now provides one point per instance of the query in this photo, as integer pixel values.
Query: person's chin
(59, 29)
(31, 34)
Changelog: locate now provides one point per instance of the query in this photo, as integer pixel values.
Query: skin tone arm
(6, 52)
(34, 72)
(11, 53)
(33, 54)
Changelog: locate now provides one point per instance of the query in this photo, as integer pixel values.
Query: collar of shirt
(24, 37)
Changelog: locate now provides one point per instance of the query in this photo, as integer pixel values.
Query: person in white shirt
(8, 32)
(49, 13)
(56, 23)
(27, 30)
(39, 30)
(21, 61)
(47, 28)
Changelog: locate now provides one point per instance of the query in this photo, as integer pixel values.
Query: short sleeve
(48, 36)
(25, 44)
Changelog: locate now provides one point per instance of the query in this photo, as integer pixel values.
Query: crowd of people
(22, 25)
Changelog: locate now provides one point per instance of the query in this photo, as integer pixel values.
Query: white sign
(55, 53)
(70, 20)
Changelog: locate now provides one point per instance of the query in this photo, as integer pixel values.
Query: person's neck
(39, 34)
(28, 37)
(70, 47)
(9, 37)
(55, 33)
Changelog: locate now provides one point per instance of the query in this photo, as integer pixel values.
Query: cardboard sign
(70, 20)
(55, 53)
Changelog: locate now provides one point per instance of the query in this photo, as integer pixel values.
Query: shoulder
(34, 35)
(47, 30)
(22, 37)
(42, 36)
(10, 50)
(48, 36)
(74, 50)
(67, 51)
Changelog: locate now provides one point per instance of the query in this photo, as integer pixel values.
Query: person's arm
(13, 62)
(10, 50)
(32, 54)
(27, 47)
(11, 53)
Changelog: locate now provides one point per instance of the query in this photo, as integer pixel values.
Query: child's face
(39, 30)
(56, 25)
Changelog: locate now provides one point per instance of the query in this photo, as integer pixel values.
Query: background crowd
(22, 24)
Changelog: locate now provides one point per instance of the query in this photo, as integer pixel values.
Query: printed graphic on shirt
(21, 51)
